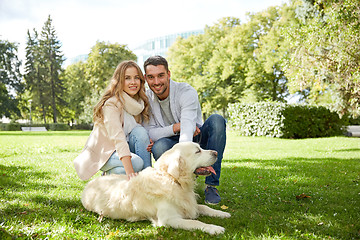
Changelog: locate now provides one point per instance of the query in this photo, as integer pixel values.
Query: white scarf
(132, 107)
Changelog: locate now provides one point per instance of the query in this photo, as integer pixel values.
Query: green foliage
(10, 126)
(43, 67)
(48, 126)
(52, 62)
(189, 61)
(324, 52)
(354, 121)
(10, 80)
(77, 88)
(315, 44)
(102, 61)
(301, 121)
(257, 119)
(86, 81)
(40, 195)
(58, 127)
(233, 61)
(284, 120)
(82, 126)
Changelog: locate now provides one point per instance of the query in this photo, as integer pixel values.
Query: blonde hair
(116, 87)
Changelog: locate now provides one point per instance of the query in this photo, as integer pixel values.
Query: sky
(80, 23)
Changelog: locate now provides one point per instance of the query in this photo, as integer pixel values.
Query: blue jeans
(212, 137)
(140, 157)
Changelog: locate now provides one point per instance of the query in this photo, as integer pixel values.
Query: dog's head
(184, 158)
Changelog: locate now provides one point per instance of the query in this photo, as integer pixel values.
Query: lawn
(274, 189)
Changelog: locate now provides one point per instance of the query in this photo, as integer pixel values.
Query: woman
(118, 142)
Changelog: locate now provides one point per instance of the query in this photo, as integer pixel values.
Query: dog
(163, 194)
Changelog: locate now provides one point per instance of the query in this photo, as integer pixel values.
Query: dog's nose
(214, 153)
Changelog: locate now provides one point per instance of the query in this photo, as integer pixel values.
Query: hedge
(49, 126)
(284, 120)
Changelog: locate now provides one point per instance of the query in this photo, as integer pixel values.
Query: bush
(58, 127)
(82, 126)
(48, 126)
(284, 120)
(10, 127)
(354, 121)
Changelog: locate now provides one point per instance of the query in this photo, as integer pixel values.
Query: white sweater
(185, 108)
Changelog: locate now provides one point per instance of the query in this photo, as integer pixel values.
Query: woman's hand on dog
(126, 160)
(131, 175)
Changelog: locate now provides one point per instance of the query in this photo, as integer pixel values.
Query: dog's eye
(198, 151)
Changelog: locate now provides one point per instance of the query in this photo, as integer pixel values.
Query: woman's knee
(116, 170)
(140, 132)
(137, 163)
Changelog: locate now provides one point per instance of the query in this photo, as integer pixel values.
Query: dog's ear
(162, 162)
(174, 165)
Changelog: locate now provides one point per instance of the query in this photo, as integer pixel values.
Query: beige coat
(107, 137)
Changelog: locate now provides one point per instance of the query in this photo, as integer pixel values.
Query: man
(177, 118)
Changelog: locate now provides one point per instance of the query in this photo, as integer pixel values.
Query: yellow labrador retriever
(163, 194)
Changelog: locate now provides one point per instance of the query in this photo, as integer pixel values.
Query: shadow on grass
(32, 199)
(17, 178)
(26, 190)
(348, 150)
(261, 195)
(298, 197)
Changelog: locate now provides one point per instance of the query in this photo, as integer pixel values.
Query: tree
(266, 76)
(189, 59)
(42, 69)
(85, 82)
(102, 61)
(35, 75)
(77, 88)
(10, 79)
(52, 62)
(233, 62)
(325, 52)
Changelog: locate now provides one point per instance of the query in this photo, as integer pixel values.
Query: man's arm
(189, 113)
(156, 131)
(188, 108)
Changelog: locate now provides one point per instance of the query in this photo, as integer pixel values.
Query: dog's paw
(214, 229)
(224, 215)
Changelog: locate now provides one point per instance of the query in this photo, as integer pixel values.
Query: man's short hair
(156, 60)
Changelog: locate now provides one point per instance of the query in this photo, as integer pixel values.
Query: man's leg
(213, 137)
(162, 145)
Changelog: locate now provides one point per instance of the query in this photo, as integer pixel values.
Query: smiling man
(176, 117)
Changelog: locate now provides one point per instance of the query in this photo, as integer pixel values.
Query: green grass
(261, 179)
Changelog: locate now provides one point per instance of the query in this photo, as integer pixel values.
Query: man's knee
(217, 121)
(159, 148)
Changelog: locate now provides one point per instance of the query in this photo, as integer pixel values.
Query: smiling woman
(132, 81)
(118, 142)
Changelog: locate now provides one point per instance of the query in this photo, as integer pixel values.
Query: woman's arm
(126, 160)
(114, 127)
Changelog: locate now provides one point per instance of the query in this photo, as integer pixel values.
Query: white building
(159, 45)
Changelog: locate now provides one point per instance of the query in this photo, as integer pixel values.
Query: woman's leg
(138, 142)
(115, 166)
(137, 162)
